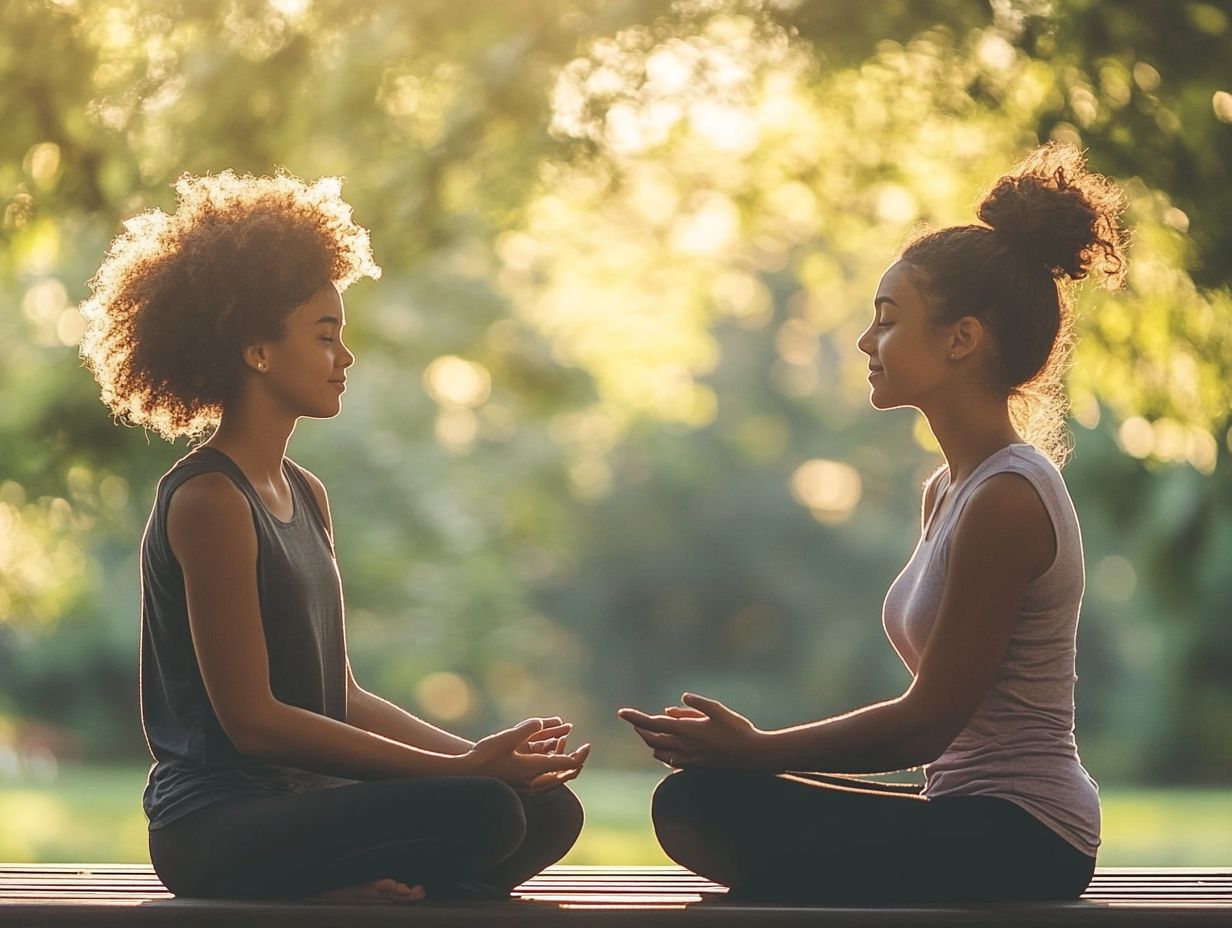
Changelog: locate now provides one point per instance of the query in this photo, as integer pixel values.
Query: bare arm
(1003, 540)
(211, 533)
(370, 712)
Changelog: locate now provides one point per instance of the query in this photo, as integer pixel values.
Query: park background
(608, 435)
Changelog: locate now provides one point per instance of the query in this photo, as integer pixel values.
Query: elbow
(929, 747)
(253, 733)
(933, 729)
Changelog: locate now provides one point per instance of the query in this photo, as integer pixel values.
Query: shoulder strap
(303, 489)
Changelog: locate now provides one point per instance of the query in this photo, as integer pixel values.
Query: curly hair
(179, 296)
(1047, 223)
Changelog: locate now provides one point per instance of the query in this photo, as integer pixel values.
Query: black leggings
(459, 837)
(824, 839)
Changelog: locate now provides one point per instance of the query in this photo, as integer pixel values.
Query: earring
(261, 366)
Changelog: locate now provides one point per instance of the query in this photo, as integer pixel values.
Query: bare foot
(377, 891)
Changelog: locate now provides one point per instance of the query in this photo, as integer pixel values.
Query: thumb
(510, 738)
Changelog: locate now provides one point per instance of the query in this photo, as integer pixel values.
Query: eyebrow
(884, 299)
(332, 320)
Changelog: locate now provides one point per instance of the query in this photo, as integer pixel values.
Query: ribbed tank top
(1019, 744)
(195, 763)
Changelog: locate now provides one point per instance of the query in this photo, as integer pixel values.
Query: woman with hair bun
(275, 773)
(971, 325)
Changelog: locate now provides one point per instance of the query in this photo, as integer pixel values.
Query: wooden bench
(35, 895)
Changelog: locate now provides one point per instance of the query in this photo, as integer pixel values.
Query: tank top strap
(305, 497)
(206, 460)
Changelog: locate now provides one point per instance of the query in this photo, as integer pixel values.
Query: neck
(969, 428)
(254, 435)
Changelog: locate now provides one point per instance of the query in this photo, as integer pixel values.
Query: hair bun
(1059, 216)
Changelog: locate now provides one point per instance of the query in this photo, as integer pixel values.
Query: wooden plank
(598, 897)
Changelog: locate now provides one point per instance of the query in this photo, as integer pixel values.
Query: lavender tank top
(1019, 745)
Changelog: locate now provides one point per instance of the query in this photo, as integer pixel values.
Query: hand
(701, 733)
(551, 740)
(528, 756)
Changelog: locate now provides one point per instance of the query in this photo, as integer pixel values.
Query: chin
(884, 402)
(877, 402)
(325, 412)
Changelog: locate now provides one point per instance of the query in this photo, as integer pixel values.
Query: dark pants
(459, 837)
(822, 839)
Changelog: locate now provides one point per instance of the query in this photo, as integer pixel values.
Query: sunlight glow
(1222, 105)
(830, 490)
(1136, 437)
(444, 695)
(454, 381)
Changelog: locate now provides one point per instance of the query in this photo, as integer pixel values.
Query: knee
(692, 796)
(683, 807)
(561, 812)
(497, 820)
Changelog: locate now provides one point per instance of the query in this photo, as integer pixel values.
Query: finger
(555, 731)
(546, 734)
(546, 763)
(561, 742)
(711, 707)
(666, 742)
(579, 756)
(519, 732)
(672, 759)
(683, 712)
(660, 723)
(547, 781)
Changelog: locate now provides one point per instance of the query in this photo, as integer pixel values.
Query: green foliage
(607, 435)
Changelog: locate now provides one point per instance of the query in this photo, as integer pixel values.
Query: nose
(866, 342)
(345, 358)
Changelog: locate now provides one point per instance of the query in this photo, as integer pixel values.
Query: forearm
(381, 717)
(295, 737)
(891, 735)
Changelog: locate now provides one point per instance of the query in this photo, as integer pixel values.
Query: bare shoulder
(208, 509)
(1006, 518)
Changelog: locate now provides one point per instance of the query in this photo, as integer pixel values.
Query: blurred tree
(607, 434)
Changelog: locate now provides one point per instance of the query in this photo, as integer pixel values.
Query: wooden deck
(117, 894)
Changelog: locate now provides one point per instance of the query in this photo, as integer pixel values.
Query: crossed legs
(807, 838)
(458, 837)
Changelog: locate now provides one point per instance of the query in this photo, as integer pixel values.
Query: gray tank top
(195, 763)
(1019, 744)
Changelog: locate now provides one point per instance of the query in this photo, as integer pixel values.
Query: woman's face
(907, 354)
(305, 370)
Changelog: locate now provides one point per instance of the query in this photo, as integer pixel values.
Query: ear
(256, 357)
(966, 337)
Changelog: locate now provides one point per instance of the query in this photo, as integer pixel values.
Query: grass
(93, 813)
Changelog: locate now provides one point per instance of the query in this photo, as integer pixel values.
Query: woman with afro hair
(276, 775)
(971, 327)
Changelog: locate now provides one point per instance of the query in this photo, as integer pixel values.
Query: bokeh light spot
(830, 490)
(444, 695)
